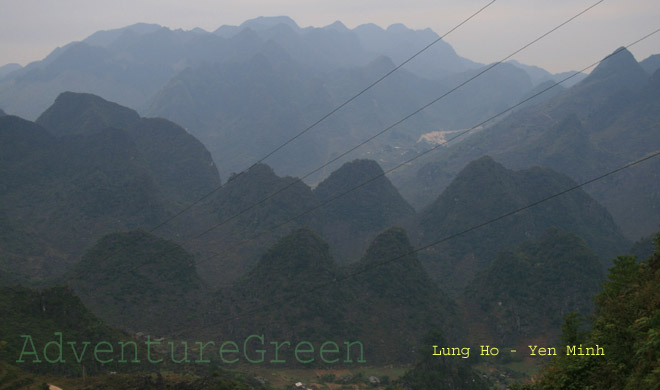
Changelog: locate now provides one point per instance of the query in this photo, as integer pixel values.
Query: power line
(432, 102)
(385, 130)
(322, 204)
(324, 117)
(461, 134)
(488, 222)
(434, 243)
(193, 204)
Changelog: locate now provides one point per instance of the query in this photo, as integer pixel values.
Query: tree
(626, 324)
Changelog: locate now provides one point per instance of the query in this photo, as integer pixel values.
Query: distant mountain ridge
(601, 123)
(142, 57)
(651, 64)
(260, 83)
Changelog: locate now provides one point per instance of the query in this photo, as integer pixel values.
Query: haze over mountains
(107, 138)
(213, 83)
(607, 120)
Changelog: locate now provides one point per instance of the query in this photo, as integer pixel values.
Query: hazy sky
(30, 29)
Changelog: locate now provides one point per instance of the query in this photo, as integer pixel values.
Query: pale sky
(30, 29)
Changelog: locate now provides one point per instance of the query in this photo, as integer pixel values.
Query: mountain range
(603, 122)
(213, 83)
(114, 168)
(112, 151)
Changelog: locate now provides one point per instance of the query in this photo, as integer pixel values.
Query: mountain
(558, 272)
(179, 162)
(267, 80)
(105, 38)
(7, 69)
(127, 65)
(574, 78)
(385, 307)
(231, 231)
(484, 190)
(618, 71)
(85, 184)
(335, 45)
(273, 96)
(540, 76)
(352, 220)
(257, 24)
(130, 64)
(488, 94)
(566, 147)
(399, 43)
(651, 64)
(82, 113)
(229, 107)
(97, 168)
(138, 282)
(398, 299)
(242, 232)
(321, 49)
(600, 124)
(536, 75)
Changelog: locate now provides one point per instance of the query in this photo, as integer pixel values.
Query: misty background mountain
(104, 139)
(212, 83)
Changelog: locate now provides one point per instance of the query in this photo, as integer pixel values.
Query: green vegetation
(373, 207)
(388, 308)
(12, 378)
(607, 120)
(484, 190)
(245, 190)
(525, 293)
(76, 184)
(138, 282)
(355, 218)
(87, 168)
(626, 325)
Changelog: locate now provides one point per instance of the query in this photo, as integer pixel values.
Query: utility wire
(193, 204)
(432, 102)
(475, 227)
(324, 117)
(461, 134)
(370, 267)
(322, 204)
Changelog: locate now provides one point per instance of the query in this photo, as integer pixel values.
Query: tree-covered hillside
(526, 292)
(485, 190)
(626, 325)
